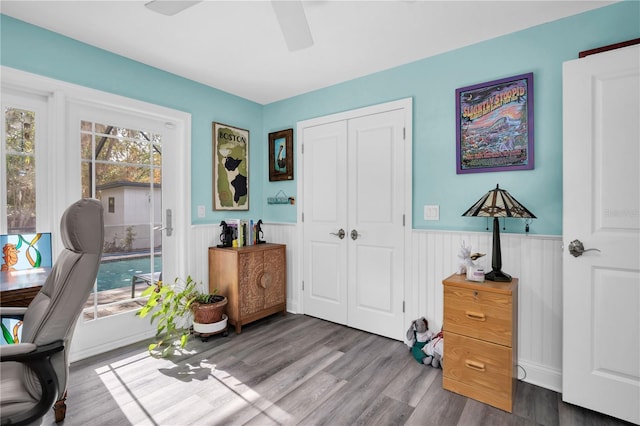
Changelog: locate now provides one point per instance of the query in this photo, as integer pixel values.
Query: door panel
(324, 276)
(601, 298)
(372, 289)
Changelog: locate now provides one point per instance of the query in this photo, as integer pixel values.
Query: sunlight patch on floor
(207, 394)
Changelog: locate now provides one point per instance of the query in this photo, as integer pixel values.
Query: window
(20, 166)
(123, 166)
(24, 188)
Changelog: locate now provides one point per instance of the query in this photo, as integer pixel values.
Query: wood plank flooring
(289, 370)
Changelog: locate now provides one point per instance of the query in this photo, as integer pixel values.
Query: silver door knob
(354, 234)
(340, 234)
(576, 248)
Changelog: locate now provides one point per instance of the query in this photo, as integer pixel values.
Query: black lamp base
(497, 276)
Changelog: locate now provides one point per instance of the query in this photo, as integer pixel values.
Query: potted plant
(209, 314)
(174, 308)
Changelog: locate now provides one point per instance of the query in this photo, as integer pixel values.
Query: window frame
(40, 104)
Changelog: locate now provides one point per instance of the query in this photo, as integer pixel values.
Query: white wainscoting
(536, 260)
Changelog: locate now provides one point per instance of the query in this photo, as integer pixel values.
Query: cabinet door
(274, 277)
(251, 290)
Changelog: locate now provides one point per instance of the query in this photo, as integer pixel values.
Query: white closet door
(375, 213)
(325, 214)
(353, 210)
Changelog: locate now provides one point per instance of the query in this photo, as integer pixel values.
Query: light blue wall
(39, 51)
(430, 82)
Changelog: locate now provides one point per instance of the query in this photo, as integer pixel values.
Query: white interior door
(325, 221)
(353, 221)
(375, 220)
(601, 297)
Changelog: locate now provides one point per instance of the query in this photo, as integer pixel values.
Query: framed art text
(494, 126)
(230, 168)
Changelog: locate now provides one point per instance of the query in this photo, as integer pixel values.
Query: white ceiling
(237, 46)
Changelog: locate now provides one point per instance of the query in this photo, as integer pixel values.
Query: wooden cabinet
(480, 340)
(253, 278)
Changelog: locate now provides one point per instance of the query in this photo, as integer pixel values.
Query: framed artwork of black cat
(281, 155)
(230, 168)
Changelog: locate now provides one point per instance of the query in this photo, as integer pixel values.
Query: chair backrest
(53, 313)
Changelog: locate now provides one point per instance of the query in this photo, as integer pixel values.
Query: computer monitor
(25, 251)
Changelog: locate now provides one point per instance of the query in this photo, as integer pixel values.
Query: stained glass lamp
(498, 203)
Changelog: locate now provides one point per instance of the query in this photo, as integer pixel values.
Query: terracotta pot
(208, 313)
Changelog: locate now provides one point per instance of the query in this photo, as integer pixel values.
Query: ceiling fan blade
(293, 23)
(170, 7)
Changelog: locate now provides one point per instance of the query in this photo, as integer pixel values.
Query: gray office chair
(33, 373)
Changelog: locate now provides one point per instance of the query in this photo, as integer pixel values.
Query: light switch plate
(432, 212)
(201, 212)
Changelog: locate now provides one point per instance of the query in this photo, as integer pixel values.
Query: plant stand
(204, 331)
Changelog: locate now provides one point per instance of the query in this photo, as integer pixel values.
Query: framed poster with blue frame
(494, 126)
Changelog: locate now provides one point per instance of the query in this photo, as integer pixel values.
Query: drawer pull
(479, 316)
(474, 365)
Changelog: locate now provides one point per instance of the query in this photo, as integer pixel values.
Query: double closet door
(353, 221)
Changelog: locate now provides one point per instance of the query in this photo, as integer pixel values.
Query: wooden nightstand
(480, 340)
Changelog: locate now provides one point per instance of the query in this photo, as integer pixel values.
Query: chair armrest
(29, 352)
(37, 358)
(12, 351)
(12, 310)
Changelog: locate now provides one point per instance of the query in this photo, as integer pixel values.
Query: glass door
(129, 161)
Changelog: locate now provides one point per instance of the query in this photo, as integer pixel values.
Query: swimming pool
(118, 273)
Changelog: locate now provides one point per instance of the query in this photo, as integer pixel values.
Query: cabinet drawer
(478, 369)
(481, 314)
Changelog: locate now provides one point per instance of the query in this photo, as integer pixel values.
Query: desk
(18, 288)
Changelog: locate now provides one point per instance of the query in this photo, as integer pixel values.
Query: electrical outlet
(201, 212)
(432, 212)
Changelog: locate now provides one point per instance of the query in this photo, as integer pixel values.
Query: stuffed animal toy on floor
(417, 337)
(434, 350)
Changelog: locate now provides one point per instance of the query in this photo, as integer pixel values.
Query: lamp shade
(498, 203)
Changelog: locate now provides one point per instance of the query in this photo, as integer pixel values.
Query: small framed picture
(494, 125)
(281, 155)
(230, 168)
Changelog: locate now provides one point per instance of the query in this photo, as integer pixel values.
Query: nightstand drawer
(479, 370)
(481, 314)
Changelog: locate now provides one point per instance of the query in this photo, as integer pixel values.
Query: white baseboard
(292, 306)
(79, 354)
(540, 375)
